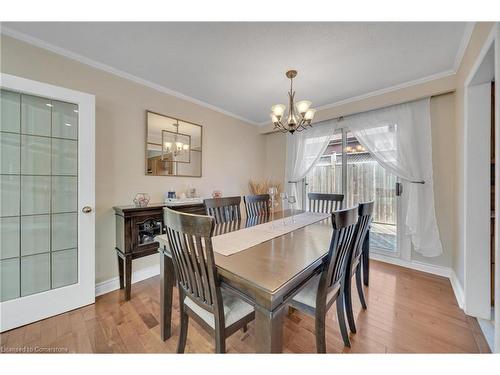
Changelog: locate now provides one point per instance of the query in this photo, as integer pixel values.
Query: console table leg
(128, 277)
(120, 271)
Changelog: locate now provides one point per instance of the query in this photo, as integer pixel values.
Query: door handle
(87, 209)
(399, 189)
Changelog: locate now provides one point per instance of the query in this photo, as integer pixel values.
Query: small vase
(141, 199)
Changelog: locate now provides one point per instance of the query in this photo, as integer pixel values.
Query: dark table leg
(166, 291)
(128, 277)
(120, 270)
(366, 259)
(269, 329)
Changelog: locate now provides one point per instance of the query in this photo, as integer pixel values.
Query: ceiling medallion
(299, 115)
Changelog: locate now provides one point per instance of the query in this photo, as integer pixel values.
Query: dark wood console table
(135, 229)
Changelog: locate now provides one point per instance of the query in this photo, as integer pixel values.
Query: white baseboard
(457, 289)
(428, 268)
(414, 265)
(114, 283)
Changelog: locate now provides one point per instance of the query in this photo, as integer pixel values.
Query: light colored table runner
(233, 242)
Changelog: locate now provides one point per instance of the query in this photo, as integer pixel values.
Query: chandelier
(299, 115)
(175, 148)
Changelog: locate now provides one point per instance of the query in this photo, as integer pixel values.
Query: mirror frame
(146, 146)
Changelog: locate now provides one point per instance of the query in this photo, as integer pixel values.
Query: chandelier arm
(304, 124)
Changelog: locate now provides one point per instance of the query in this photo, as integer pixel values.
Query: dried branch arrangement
(257, 188)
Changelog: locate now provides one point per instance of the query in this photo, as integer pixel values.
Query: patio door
(368, 180)
(46, 201)
(347, 168)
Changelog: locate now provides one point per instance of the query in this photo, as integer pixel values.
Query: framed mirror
(173, 146)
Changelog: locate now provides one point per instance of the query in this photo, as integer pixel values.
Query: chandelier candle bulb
(303, 106)
(309, 114)
(278, 110)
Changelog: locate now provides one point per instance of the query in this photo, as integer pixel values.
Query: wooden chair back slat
(223, 209)
(190, 240)
(344, 228)
(325, 203)
(257, 205)
(365, 212)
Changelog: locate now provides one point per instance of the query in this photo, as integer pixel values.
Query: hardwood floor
(408, 312)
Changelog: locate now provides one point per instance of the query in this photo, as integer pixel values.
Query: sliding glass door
(347, 168)
(326, 175)
(367, 180)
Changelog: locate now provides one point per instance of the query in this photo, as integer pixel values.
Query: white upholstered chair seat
(307, 296)
(234, 309)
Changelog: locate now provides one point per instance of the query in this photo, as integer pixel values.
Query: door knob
(86, 209)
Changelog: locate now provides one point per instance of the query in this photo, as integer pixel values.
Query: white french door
(47, 195)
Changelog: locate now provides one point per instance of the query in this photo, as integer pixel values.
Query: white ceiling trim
(469, 28)
(386, 90)
(109, 69)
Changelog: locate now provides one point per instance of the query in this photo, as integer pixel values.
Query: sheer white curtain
(303, 150)
(399, 138)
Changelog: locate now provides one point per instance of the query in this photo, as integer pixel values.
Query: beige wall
(275, 144)
(233, 151)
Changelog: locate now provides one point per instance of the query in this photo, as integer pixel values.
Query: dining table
(267, 275)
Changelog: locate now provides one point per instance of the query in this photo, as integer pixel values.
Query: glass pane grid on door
(38, 194)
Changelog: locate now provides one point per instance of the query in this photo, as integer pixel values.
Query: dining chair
(201, 297)
(257, 205)
(365, 215)
(223, 209)
(326, 203)
(324, 289)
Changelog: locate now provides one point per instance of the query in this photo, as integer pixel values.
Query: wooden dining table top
(268, 266)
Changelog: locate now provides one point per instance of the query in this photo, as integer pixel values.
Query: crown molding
(383, 91)
(469, 28)
(109, 69)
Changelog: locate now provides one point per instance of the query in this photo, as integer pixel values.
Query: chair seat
(234, 309)
(307, 296)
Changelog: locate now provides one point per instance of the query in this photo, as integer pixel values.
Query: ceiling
(239, 68)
